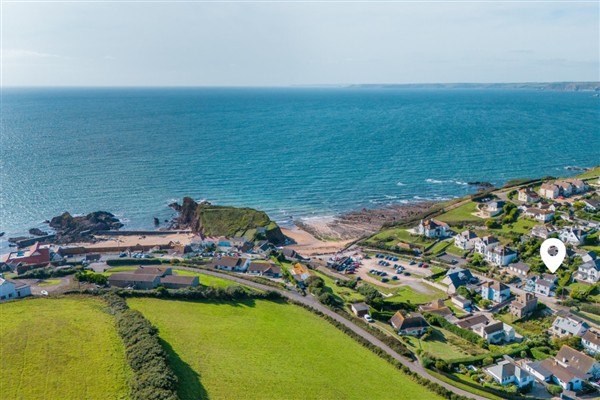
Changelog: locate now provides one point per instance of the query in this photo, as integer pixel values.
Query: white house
(542, 231)
(227, 263)
(465, 240)
(10, 290)
(572, 235)
(492, 208)
(485, 244)
(591, 342)
(591, 205)
(507, 372)
(568, 326)
(500, 255)
(432, 228)
(495, 291)
(527, 195)
(542, 215)
(496, 332)
(589, 271)
(543, 286)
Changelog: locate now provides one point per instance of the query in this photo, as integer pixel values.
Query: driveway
(311, 302)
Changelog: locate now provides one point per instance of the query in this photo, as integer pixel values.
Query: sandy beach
(126, 241)
(308, 245)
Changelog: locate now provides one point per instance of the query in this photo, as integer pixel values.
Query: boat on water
(2, 234)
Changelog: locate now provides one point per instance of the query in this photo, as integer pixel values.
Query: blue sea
(293, 152)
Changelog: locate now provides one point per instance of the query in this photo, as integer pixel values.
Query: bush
(152, 376)
(488, 361)
(554, 389)
(437, 320)
(91, 277)
(49, 272)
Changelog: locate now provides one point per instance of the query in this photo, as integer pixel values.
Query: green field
(266, 350)
(342, 293)
(463, 213)
(440, 247)
(408, 294)
(437, 345)
(48, 282)
(522, 225)
(592, 173)
(63, 348)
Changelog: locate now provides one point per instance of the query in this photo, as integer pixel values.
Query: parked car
(407, 274)
(394, 278)
(384, 280)
(368, 318)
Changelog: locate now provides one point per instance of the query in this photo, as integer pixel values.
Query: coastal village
(462, 288)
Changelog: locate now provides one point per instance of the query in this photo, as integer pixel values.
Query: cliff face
(72, 229)
(211, 220)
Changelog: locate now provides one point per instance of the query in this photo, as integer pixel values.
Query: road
(312, 302)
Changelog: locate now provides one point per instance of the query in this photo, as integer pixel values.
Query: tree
(442, 366)
(490, 223)
(464, 292)
(488, 361)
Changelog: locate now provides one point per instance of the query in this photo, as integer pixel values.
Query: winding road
(313, 303)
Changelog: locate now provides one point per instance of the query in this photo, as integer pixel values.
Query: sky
(297, 43)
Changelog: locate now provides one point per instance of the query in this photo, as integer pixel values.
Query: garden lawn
(522, 225)
(391, 237)
(343, 293)
(48, 282)
(463, 213)
(63, 348)
(408, 294)
(440, 247)
(437, 345)
(268, 350)
(206, 280)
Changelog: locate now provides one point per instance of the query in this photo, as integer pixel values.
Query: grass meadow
(268, 350)
(63, 349)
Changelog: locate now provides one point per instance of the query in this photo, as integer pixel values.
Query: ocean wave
(400, 184)
(434, 181)
(438, 181)
(389, 196)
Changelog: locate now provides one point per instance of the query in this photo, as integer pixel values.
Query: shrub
(554, 389)
(488, 361)
(133, 261)
(152, 376)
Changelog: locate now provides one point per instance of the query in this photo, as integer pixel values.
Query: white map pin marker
(553, 261)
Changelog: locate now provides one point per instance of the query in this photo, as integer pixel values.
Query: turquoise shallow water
(292, 152)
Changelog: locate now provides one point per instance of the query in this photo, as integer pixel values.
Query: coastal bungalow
(432, 228)
(568, 326)
(520, 269)
(264, 247)
(268, 269)
(539, 214)
(543, 231)
(572, 235)
(568, 357)
(550, 371)
(549, 191)
(23, 260)
(465, 240)
(495, 291)
(436, 307)
(591, 342)
(527, 195)
(524, 305)
(10, 290)
(462, 302)
(473, 322)
(507, 372)
(146, 278)
(227, 263)
(492, 208)
(412, 324)
(291, 254)
(359, 309)
(457, 277)
(496, 332)
(301, 272)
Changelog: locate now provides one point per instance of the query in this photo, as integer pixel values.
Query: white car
(369, 319)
